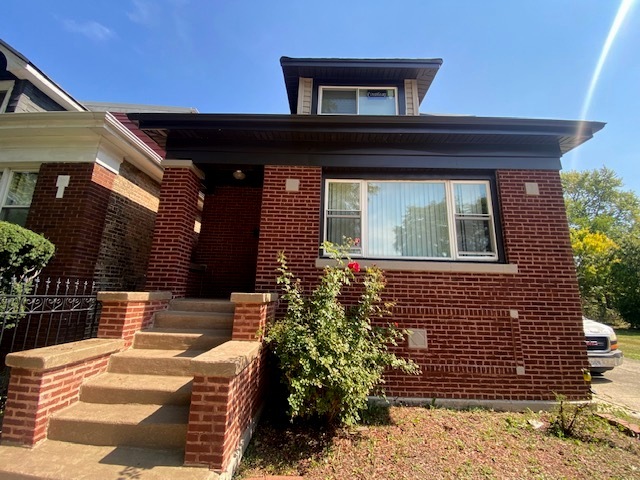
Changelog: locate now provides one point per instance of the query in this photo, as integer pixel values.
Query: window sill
(429, 266)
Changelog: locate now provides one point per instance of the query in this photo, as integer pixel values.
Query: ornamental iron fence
(47, 312)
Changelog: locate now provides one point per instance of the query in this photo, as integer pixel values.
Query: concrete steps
(54, 460)
(180, 338)
(143, 400)
(153, 362)
(148, 426)
(114, 388)
(193, 320)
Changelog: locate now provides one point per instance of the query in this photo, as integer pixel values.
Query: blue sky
(501, 58)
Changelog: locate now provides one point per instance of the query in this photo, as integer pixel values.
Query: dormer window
(358, 101)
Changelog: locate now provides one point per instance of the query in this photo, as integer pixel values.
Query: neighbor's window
(442, 219)
(358, 101)
(16, 192)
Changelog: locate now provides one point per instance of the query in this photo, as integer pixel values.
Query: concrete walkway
(54, 460)
(620, 386)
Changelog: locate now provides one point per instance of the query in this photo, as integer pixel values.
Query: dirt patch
(414, 442)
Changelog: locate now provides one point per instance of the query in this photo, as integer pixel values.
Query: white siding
(411, 97)
(305, 89)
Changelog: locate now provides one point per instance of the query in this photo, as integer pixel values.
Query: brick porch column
(125, 313)
(252, 313)
(174, 235)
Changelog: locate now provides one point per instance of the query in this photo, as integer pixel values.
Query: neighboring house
(88, 181)
(464, 214)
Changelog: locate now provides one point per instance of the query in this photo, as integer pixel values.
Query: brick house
(464, 214)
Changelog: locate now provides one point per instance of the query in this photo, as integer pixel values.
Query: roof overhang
(23, 69)
(354, 70)
(82, 137)
(208, 135)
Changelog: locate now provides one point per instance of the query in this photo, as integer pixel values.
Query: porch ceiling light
(239, 175)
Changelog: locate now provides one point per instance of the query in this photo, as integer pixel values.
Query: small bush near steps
(331, 356)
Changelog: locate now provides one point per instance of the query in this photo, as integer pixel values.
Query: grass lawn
(433, 443)
(629, 342)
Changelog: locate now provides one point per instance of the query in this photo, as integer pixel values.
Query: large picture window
(439, 219)
(358, 101)
(16, 192)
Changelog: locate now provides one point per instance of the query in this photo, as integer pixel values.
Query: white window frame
(451, 216)
(5, 182)
(6, 85)
(356, 88)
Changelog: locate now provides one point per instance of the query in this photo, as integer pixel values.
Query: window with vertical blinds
(439, 219)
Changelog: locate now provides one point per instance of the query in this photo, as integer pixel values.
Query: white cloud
(90, 29)
(142, 12)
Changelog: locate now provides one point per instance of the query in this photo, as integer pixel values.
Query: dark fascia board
(423, 69)
(571, 132)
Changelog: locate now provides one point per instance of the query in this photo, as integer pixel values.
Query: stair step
(56, 460)
(150, 426)
(175, 339)
(202, 305)
(192, 320)
(115, 388)
(153, 362)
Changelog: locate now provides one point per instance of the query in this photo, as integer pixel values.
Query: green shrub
(23, 255)
(331, 356)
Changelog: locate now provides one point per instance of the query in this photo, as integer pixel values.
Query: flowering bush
(331, 356)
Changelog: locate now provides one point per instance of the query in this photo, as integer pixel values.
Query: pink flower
(354, 266)
(356, 241)
(395, 324)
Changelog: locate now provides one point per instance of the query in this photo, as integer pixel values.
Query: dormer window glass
(358, 101)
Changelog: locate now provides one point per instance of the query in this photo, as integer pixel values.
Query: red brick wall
(290, 221)
(122, 319)
(75, 222)
(174, 237)
(228, 242)
(128, 231)
(474, 344)
(221, 410)
(34, 396)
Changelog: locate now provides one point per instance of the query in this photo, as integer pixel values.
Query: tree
(595, 201)
(604, 221)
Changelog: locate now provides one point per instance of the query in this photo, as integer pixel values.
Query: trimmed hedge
(23, 254)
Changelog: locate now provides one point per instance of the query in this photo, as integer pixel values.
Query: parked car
(602, 346)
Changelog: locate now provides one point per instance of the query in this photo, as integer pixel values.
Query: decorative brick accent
(228, 243)
(174, 235)
(252, 313)
(222, 410)
(123, 313)
(476, 349)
